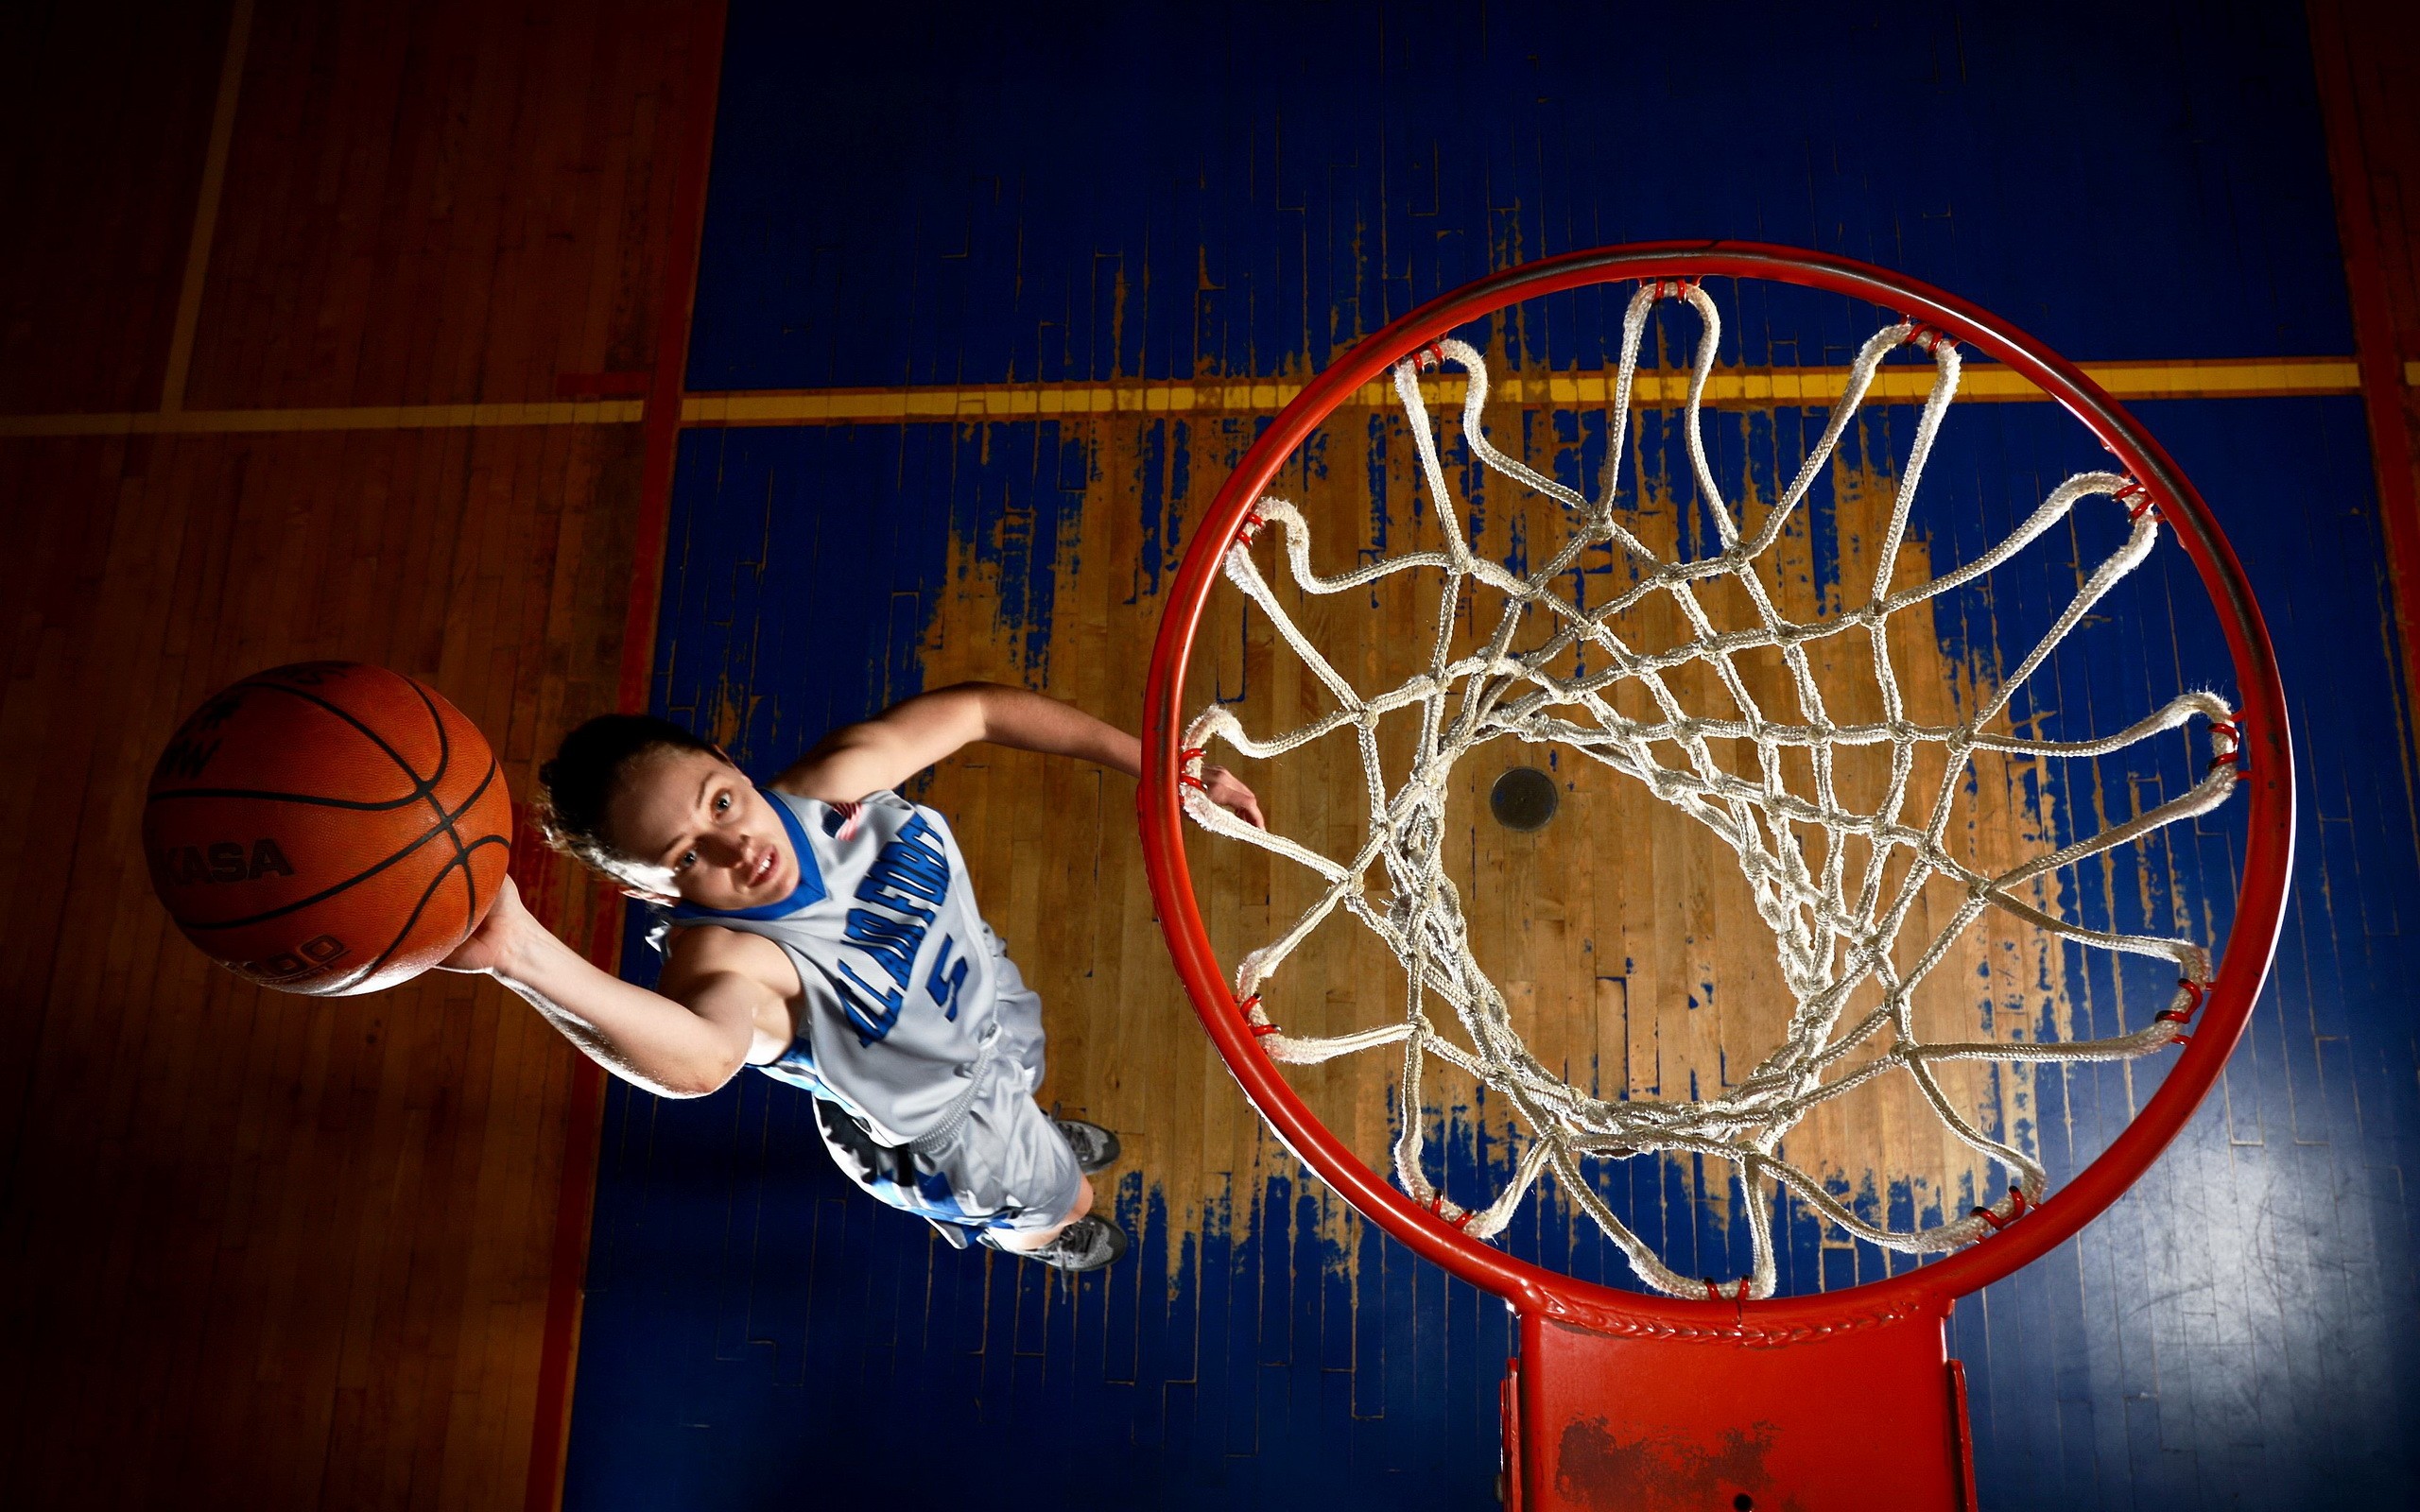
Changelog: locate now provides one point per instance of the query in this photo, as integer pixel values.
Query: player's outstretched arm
(674, 1049)
(910, 736)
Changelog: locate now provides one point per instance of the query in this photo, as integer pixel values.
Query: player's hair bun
(586, 771)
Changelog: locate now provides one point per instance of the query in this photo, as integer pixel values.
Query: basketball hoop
(1835, 925)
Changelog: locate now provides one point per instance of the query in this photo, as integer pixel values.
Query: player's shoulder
(844, 819)
(699, 951)
(810, 780)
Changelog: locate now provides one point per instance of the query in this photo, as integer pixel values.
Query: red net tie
(2197, 992)
(2017, 1208)
(2137, 499)
(1927, 337)
(1437, 1207)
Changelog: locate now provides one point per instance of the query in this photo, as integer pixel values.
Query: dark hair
(587, 768)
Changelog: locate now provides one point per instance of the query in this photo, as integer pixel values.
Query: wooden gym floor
(375, 398)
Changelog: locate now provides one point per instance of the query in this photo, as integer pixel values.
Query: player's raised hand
(492, 945)
(1225, 789)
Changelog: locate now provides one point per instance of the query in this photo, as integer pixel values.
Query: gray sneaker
(1088, 1244)
(1096, 1147)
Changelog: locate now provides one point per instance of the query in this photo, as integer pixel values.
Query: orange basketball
(327, 827)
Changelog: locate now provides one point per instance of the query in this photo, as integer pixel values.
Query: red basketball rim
(2251, 941)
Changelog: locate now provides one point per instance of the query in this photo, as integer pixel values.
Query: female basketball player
(822, 929)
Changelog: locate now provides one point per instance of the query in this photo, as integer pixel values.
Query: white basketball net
(1834, 932)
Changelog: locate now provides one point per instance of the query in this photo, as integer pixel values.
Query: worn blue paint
(993, 194)
(975, 193)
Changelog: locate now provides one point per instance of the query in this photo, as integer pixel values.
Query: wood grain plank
(318, 1239)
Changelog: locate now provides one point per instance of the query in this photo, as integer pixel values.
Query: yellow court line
(2210, 379)
(2221, 378)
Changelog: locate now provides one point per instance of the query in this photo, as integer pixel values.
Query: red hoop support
(1926, 1290)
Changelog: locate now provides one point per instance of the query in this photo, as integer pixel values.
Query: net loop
(1837, 927)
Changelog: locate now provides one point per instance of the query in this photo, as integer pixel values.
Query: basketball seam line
(463, 860)
(421, 789)
(273, 796)
(443, 828)
(461, 852)
(444, 746)
(445, 822)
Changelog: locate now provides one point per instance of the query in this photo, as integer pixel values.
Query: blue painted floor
(980, 195)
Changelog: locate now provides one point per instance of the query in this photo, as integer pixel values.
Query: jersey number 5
(947, 980)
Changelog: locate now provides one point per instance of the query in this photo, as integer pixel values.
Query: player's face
(692, 826)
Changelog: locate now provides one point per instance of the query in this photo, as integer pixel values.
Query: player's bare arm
(696, 830)
(894, 745)
(699, 830)
(717, 1009)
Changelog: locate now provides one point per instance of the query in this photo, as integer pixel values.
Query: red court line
(2355, 176)
(584, 1112)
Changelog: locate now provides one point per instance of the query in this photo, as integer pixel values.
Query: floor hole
(1524, 799)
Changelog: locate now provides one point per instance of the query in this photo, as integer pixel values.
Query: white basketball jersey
(898, 970)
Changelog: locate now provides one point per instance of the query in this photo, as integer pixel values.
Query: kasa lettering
(224, 861)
